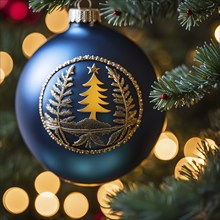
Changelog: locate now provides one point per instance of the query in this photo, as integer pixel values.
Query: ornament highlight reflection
(47, 204)
(47, 182)
(76, 205)
(15, 200)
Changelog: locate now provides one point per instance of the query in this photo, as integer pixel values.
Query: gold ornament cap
(84, 15)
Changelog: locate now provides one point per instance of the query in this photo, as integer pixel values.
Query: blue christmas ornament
(82, 102)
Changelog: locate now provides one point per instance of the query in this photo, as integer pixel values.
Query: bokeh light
(18, 10)
(211, 143)
(167, 146)
(76, 205)
(47, 204)
(57, 21)
(191, 148)
(108, 213)
(186, 161)
(106, 189)
(47, 182)
(2, 76)
(165, 124)
(3, 3)
(170, 135)
(15, 200)
(32, 42)
(217, 33)
(6, 63)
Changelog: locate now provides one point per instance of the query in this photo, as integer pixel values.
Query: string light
(47, 182)
(191, 148)
(32, 42)
(108, 188)
(188, 162)
(2, 76)
(217, 33)
(6, 63)
(15, 200)
(47, 204)
(76, 205)
(167, 146)
(57, 21)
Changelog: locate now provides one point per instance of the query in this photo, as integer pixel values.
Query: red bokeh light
(18, 10)
(3, 3)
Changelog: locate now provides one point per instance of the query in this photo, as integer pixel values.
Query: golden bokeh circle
(191, 147)
(15, 200)
(6, 63)
(108, 188)
(166, 149)
(47, 182)
(32, 42)
(57, 21)
(2, 76)
(76, 205)
(47, 204)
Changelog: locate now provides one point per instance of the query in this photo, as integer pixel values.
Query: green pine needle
(39, 5)
(137, 12)
(141, 12)
(184, 87)
(197, 198)
(193, 12)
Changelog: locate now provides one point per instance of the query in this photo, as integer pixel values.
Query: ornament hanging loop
(78, 2)
(84, 15)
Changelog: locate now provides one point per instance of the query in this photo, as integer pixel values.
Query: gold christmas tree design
(93, 97)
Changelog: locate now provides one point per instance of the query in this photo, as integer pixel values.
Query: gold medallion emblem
(89, 133)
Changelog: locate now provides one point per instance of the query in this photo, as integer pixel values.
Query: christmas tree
(171, 33)
(93, 98)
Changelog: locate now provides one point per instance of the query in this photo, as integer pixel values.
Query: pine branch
(198, 198)
(39, 5)
(183, 87)
(193, 12)
(137, 12)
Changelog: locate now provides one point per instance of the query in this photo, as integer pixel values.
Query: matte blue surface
(79, 40)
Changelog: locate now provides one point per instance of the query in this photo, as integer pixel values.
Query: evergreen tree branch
(197, 198)
(193, 12)
(183, 87)
(137, 12)
(39, 5)
(141, 12)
